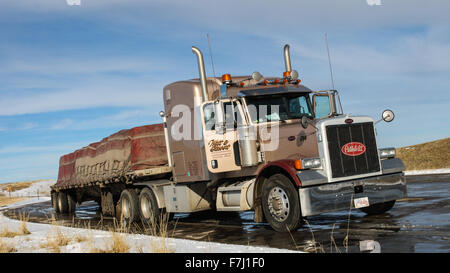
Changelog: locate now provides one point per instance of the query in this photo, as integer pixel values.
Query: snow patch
(434, 171)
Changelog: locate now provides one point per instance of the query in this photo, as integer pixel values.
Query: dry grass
(6, 233)
(159, 229)
(23, 226)
(55, 240)
(6, 247)
(16, 185)
(80, 238)
(4, 200)
(118, 244)
(430, 155)
(23, 230)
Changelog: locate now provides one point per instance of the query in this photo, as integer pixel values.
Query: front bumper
(339, 195)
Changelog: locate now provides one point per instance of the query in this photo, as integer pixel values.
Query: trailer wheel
(281, 204)
(54, 197)
(378, 208)
(148, 206)
(63, 205)
(129, 211)
(72, 204)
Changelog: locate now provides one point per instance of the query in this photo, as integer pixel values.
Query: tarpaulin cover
(127, 150)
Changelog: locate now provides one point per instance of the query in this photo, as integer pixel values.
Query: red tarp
(127, 150)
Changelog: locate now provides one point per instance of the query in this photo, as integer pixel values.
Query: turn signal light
(298, 164)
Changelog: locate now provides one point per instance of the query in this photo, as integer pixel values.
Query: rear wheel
(280, 202)
(148, 206)
(54, 197)
(378, 208)
(129, 211)
(63, 205)
(71, 203)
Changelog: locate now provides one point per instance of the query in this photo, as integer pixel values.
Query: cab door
(220, 120)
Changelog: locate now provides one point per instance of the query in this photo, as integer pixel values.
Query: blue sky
(72, 75)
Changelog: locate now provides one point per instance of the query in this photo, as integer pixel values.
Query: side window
(230, 115)
(208, 112)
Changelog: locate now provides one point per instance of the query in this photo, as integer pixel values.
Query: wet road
(419, 223)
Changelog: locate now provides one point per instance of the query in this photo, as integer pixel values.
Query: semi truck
(269, 145)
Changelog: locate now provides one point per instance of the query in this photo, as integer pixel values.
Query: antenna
(331, 73)
(210, 54)
(329, 61)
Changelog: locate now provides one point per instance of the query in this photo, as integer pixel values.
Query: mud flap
(108, 204)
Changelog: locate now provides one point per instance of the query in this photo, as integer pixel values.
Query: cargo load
(114, 157)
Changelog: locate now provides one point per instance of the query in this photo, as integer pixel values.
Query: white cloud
(100, 94)
(28, 126)
(63, 124)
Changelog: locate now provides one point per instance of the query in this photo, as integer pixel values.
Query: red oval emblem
(353, 149)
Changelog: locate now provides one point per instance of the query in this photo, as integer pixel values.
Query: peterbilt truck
(266, 144)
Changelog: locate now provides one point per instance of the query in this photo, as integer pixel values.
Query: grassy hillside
(429, 155)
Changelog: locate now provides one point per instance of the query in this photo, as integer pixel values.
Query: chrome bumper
(339, 195)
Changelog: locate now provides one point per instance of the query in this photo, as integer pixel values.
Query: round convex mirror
(304, 122)
(257, 76)
(388, 115)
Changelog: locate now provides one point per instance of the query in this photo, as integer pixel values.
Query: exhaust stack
(287, 58)
(201, 71)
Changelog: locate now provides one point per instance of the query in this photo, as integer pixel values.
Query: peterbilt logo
(353, 149)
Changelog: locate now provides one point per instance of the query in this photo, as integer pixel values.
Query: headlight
(308, 163)
(387, 153)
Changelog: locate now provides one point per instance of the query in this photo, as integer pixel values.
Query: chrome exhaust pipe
(287, 58)
(201, 71)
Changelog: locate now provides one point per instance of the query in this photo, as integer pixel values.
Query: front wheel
(378, 208)
(281, 203)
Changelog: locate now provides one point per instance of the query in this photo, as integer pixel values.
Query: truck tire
(63, 205)
(378, 208)
(71, 203)
(148, 207)
(281, 203)
(54, 197)
(129, 210)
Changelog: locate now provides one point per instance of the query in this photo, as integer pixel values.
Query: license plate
(361, 202)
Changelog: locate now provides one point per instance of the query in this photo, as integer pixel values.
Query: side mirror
(388, 115)
(304, 122)
(321, 104)
(219, 116)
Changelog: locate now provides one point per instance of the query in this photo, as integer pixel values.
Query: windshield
(279, 107)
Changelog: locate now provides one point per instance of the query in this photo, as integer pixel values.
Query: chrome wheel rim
(146, 207)
(126, 208)
(59, 202)
(278, 204)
